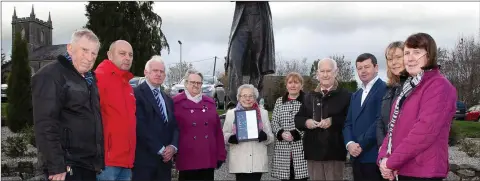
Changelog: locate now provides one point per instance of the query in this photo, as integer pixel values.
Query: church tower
(37, 32)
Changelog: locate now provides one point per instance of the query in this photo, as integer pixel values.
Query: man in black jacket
(66, 111)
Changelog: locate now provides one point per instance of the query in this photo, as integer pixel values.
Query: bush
(14, 147)
(19, 90)
(28, 135)
(352, 86)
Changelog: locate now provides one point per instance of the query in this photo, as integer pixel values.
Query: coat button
(194, 124)
(195, 137)
(206, 123)
(206, 136)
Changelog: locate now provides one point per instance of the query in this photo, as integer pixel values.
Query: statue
(251, 50)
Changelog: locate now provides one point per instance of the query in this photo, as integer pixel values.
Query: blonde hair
(392, 78)
(295, 76)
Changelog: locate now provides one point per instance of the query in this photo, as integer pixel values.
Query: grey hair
(190, 72)
(84, 32)
(155, 58)
(334, 63)
(247, 86)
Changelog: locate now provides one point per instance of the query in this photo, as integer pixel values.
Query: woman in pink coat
(416, 144)
(201, 148)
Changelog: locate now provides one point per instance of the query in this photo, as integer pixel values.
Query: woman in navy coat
(201, 146)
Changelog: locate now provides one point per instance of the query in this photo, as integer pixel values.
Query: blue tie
(156, 94)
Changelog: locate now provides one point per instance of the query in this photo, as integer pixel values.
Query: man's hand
(325, 123)
(168, 153)
(386, 172)
(354, 149)
(311, 124)
(60, 176)
(287, 136)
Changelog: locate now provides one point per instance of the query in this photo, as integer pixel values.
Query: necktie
(156, 94)
(325, 92)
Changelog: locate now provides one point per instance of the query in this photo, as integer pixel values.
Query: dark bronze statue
(251, 50)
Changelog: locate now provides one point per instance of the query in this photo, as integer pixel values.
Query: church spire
(49, 17)
(32, 14)
(14, 13)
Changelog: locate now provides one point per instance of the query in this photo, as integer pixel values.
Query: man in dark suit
(360, 128)
(157, 130)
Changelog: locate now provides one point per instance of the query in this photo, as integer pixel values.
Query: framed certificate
(246, 124)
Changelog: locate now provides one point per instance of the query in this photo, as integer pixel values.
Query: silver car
(211, 87)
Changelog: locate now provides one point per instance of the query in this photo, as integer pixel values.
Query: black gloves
(233, 139)
(219, 163)
(279, 135)
(296, 135)
(262, 136)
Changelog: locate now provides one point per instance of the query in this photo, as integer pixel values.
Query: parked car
(461, 110)
(134, 82)
(4, 92)
(473, 114)
(211, 87)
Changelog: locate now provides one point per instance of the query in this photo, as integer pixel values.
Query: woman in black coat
(394, 56)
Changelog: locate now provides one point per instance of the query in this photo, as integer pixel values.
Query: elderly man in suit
(157, 130)
(360, 127)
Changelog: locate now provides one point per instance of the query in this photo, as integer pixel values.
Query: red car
(473, 114)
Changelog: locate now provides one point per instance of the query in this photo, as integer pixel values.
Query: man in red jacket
(117, 104)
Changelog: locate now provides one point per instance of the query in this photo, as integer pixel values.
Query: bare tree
(345, 68)
(461, 66)
(284, 67)
(177, 71)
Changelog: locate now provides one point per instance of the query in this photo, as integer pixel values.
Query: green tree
(19, 91)
(133, 21)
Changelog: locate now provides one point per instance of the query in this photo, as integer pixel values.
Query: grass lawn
(467, 129)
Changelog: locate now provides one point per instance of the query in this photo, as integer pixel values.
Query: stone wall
(464, 172)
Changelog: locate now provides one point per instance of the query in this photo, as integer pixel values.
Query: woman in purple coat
(416, 146)
(201, 146)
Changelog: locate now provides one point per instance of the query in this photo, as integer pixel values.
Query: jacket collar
(299, 98)
(182, 96)
(107, 66)
(67, 64)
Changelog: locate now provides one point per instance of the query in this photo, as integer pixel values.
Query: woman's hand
(287, 136)
(386, 172)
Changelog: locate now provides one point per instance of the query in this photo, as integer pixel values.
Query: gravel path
(455, 157)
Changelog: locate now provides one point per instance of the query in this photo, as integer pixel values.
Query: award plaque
(247, 125)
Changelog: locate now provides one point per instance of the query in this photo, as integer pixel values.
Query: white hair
(84, 32)
(247, 86)
(189, 72)
(155, 58)
(334, 63)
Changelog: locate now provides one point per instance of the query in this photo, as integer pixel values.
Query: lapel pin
(191, 111)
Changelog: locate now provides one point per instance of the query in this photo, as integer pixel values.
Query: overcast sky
(311, 30)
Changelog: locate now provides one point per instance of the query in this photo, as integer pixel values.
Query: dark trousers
(201, 174)
(417, 178)
(366, 171)
(78, 174)
(157, 173)
(248, 176)
(292, 172)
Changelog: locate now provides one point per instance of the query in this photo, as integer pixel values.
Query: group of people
(92, 125)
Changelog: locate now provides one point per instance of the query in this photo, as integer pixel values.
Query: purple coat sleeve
(221, 151)
(437, 106)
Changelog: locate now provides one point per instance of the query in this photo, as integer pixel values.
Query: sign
(246, 124)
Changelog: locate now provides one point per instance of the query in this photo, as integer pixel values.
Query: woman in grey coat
(394, 56)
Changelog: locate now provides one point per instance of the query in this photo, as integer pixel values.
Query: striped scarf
(407, 88)
(88, 75)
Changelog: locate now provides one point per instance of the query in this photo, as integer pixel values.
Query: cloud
(309, 30)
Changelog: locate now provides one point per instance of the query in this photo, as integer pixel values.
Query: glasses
(195, 83)
(245, 96)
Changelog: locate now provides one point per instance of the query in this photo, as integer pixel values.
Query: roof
(49, 52)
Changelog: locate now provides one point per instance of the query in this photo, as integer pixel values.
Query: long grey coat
(283, 120)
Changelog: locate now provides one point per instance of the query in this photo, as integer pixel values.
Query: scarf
(195, 99)
(259, 117)
(407, 88)
(88, 75)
